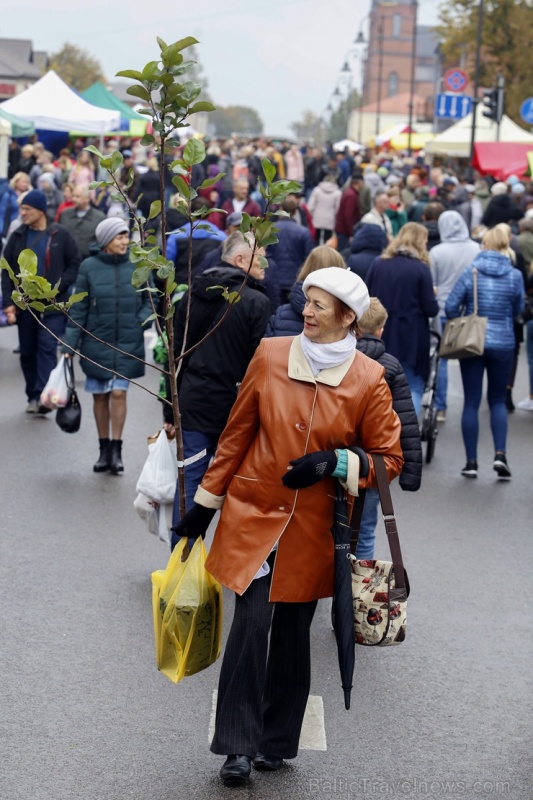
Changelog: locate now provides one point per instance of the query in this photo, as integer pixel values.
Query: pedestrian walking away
(401, 279)
(310, 408)
(500, 298)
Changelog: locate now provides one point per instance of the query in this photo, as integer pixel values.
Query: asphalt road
(84, 713)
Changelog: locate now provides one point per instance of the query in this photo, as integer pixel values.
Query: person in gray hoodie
(448, 260)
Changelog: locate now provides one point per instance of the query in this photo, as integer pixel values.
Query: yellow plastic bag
(187, 607)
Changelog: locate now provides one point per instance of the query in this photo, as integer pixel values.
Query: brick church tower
(387, 72)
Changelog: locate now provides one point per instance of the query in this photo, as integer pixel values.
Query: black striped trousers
(263, 691)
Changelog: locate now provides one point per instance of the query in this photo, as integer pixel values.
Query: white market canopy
(51, 105)
(455, 141)
(339, 147)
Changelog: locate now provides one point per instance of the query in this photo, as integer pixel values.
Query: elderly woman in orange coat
(310, 409)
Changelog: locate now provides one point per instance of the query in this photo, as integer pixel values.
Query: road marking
(313, 736)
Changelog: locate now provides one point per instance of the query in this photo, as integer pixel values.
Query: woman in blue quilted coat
(500, 295)
(114, 311)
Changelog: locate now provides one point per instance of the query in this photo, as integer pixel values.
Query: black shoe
(509, 405)
(470, 470)
(236, 769)
(268, 763)
(102, 465)
(115, 457)
(501, 466)
(43, 409)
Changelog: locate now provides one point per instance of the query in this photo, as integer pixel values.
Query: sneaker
(525, 405)
(470, 470)
(501, 466)
(32, 407)
(441, 415)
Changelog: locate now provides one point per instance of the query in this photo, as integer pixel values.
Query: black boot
(115, 459)
(102, 465)
(509, 405)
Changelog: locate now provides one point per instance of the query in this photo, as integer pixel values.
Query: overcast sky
(280, 57)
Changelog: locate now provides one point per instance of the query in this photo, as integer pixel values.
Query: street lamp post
(476, 89)
(412, 83)
(380, 72)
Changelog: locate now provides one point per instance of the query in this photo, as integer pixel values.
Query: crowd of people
(323, 361)
(408, 230)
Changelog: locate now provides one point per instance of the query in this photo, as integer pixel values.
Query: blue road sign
(526, 110)
(452, 106)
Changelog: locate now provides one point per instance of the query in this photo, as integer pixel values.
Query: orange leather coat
(281, 413)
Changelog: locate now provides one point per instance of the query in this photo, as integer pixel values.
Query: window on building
(397, 26)
(393, 84)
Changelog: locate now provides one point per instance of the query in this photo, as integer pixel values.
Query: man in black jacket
(210, 377)
(58, 260)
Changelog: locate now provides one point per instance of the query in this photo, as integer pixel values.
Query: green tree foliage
(236, 119)
(310, 127)
(76, 67)
(506, 37)
(338, 123)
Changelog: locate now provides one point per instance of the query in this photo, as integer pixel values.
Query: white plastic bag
(55, 393)
(157, 480)
(157, 516)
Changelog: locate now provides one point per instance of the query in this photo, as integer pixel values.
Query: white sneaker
(525, 405)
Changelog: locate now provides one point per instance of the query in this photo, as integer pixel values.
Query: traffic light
(493, 103)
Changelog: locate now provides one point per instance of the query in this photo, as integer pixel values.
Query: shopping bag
(55, 393)
(187, 609)
(157, 516)
(160, 471)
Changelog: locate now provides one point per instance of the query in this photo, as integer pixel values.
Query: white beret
(341, 283)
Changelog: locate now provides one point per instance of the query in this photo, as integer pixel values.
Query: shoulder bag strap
(474, 276)
(68, 367)
(390, 521)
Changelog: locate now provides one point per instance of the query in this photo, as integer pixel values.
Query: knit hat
(518, 188)
(343, 284)
(36, 199)
(109, 228)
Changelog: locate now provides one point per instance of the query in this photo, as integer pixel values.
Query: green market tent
(19, 126)
(98, 95)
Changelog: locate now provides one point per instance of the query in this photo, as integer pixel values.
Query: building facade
(389, 57)
(20, 66)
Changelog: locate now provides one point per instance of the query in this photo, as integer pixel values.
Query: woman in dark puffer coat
(287, 319)
(370, 343)
(114, 311)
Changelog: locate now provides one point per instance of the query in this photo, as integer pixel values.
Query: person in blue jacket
(287, 320)
(500, 298)
(205, 237)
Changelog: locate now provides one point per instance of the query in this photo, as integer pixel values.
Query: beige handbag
(379, 588)
(464, 337)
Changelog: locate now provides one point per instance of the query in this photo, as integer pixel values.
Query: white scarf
(325, 356)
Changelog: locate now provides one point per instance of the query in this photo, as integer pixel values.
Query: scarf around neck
(326, 356)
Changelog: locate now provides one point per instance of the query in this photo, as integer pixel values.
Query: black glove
(364, 466)
(310, 469)
(194, 524)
